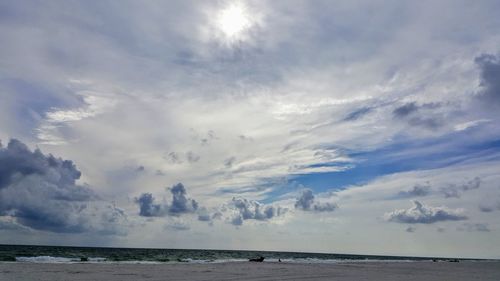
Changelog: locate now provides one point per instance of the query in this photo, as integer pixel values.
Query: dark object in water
(261, 259)
(454, 260)
(84, 259)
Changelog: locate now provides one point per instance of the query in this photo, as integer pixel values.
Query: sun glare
(234, 20)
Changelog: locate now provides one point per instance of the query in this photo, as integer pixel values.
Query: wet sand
(407, 271)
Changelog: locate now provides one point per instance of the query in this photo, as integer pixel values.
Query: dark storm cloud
(489, 66)
(40, 192)
(17, 162)
(455, 191)
(180, 204)
(416, 191)
(252, 210)
(306, 203)
(420, 213)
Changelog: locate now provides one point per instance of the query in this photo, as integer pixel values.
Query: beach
(422, 270)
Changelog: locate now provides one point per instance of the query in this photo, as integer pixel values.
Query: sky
(362, 127)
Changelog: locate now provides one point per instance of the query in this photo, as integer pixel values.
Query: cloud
(17, 162)
(57, 119)
(405, 109)
(40, 192)
(420, 213)
(178, 225)
(429, 123)
(228, 163)
(179, 158)
(488, 208)
(411, 229)
(455, 191)
(416, 191)
(357, 114)
(253, 210)
(180, 204)
(475, 183)
(12, 225)
(192, 157)
(471, 124)
(306, 203)
(237, 220)
(489, 66)
(147, 207)
(173, 157)
(204, 215)
(411, 112)
(471, 227)
(210, 136)
(450, 192)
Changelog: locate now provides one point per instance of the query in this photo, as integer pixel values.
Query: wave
(53, 259)
(59, 254)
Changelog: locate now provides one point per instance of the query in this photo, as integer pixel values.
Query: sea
(63, 254)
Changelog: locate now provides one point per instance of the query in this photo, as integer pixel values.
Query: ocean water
(57, 254)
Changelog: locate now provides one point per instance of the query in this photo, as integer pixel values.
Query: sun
(233, 21)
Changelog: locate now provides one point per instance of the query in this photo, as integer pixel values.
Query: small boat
(260, 259)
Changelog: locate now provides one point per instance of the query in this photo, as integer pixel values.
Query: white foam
(51, 259)
(46, 259)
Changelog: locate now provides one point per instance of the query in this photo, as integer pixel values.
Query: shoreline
(98, 260)
(383, 270)
(370, 256)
